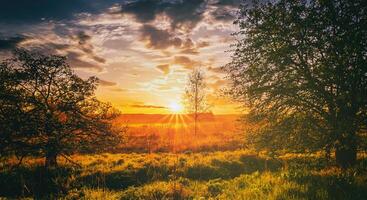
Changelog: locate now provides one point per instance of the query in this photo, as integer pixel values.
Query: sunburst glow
(175, 107)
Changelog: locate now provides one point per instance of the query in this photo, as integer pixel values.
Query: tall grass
(216, 175)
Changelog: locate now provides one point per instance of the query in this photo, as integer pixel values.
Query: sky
(141, 50)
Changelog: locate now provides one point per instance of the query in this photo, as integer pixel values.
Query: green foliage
(300, 67)
(53, 111)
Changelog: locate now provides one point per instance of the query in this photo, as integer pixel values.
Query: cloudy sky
(142, 50)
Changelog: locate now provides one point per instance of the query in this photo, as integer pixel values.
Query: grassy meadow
(236, 174)
(159, 159)
(183, 100)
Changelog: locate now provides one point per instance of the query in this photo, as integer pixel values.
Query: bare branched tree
(195, 97)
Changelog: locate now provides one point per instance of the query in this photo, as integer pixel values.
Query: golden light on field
(175, 107)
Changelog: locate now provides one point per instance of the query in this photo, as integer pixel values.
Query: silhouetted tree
(47, 109)
(10, 114)
(301, 67)
(194, 98)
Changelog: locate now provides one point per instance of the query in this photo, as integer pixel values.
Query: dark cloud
(74, 56)
(143, 10)
(79, 51)
(216, 69)
(159, 39)
(185, 61)
(224, 14)
(74, 53)
(106, 83)
(164, 68)
(188, 47)
(225, 10)
(84, 44)
(182, 13)
(27, 11)
(146, 106)
(51, 47)
(76, 60)
(186, 13)
(82, 37)
(98, 59)
(188, 44)
(11, 42)
(163, 39)
(234, 3)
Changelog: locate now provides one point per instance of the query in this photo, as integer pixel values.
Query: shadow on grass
(37, 182)
(342, 186)
(116, 180)
(40, 183)
(227, 169)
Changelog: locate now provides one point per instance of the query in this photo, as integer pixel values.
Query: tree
(300, 66)
(8, 110)
(195, 95)
(54, 112)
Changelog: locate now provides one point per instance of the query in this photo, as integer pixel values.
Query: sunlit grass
(217, 175)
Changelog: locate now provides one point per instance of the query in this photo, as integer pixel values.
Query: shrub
(229, 169)
(150, 172)
(201, 172)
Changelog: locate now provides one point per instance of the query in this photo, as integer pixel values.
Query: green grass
(217, 175)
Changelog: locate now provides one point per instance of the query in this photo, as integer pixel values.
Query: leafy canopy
(300, 66)
(47, 109)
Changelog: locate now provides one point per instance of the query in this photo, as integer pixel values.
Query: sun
(175, 107)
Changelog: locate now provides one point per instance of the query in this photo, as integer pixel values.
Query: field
(175, 133)
(183, 100)
(162, 159)
(216, 175)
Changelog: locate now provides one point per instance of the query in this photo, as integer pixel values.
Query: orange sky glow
(141, 50)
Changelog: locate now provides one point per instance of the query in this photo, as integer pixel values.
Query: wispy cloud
(147, 46)
(147, 106)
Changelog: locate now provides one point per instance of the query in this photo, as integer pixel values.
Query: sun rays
(175, 107)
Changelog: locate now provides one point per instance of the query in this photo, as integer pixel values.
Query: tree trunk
(328, 153)
(51, 159)
(195, 124)
(346, 152)
(196, 106)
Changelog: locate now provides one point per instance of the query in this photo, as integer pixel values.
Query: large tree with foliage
(48, 110)
(301, 68)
